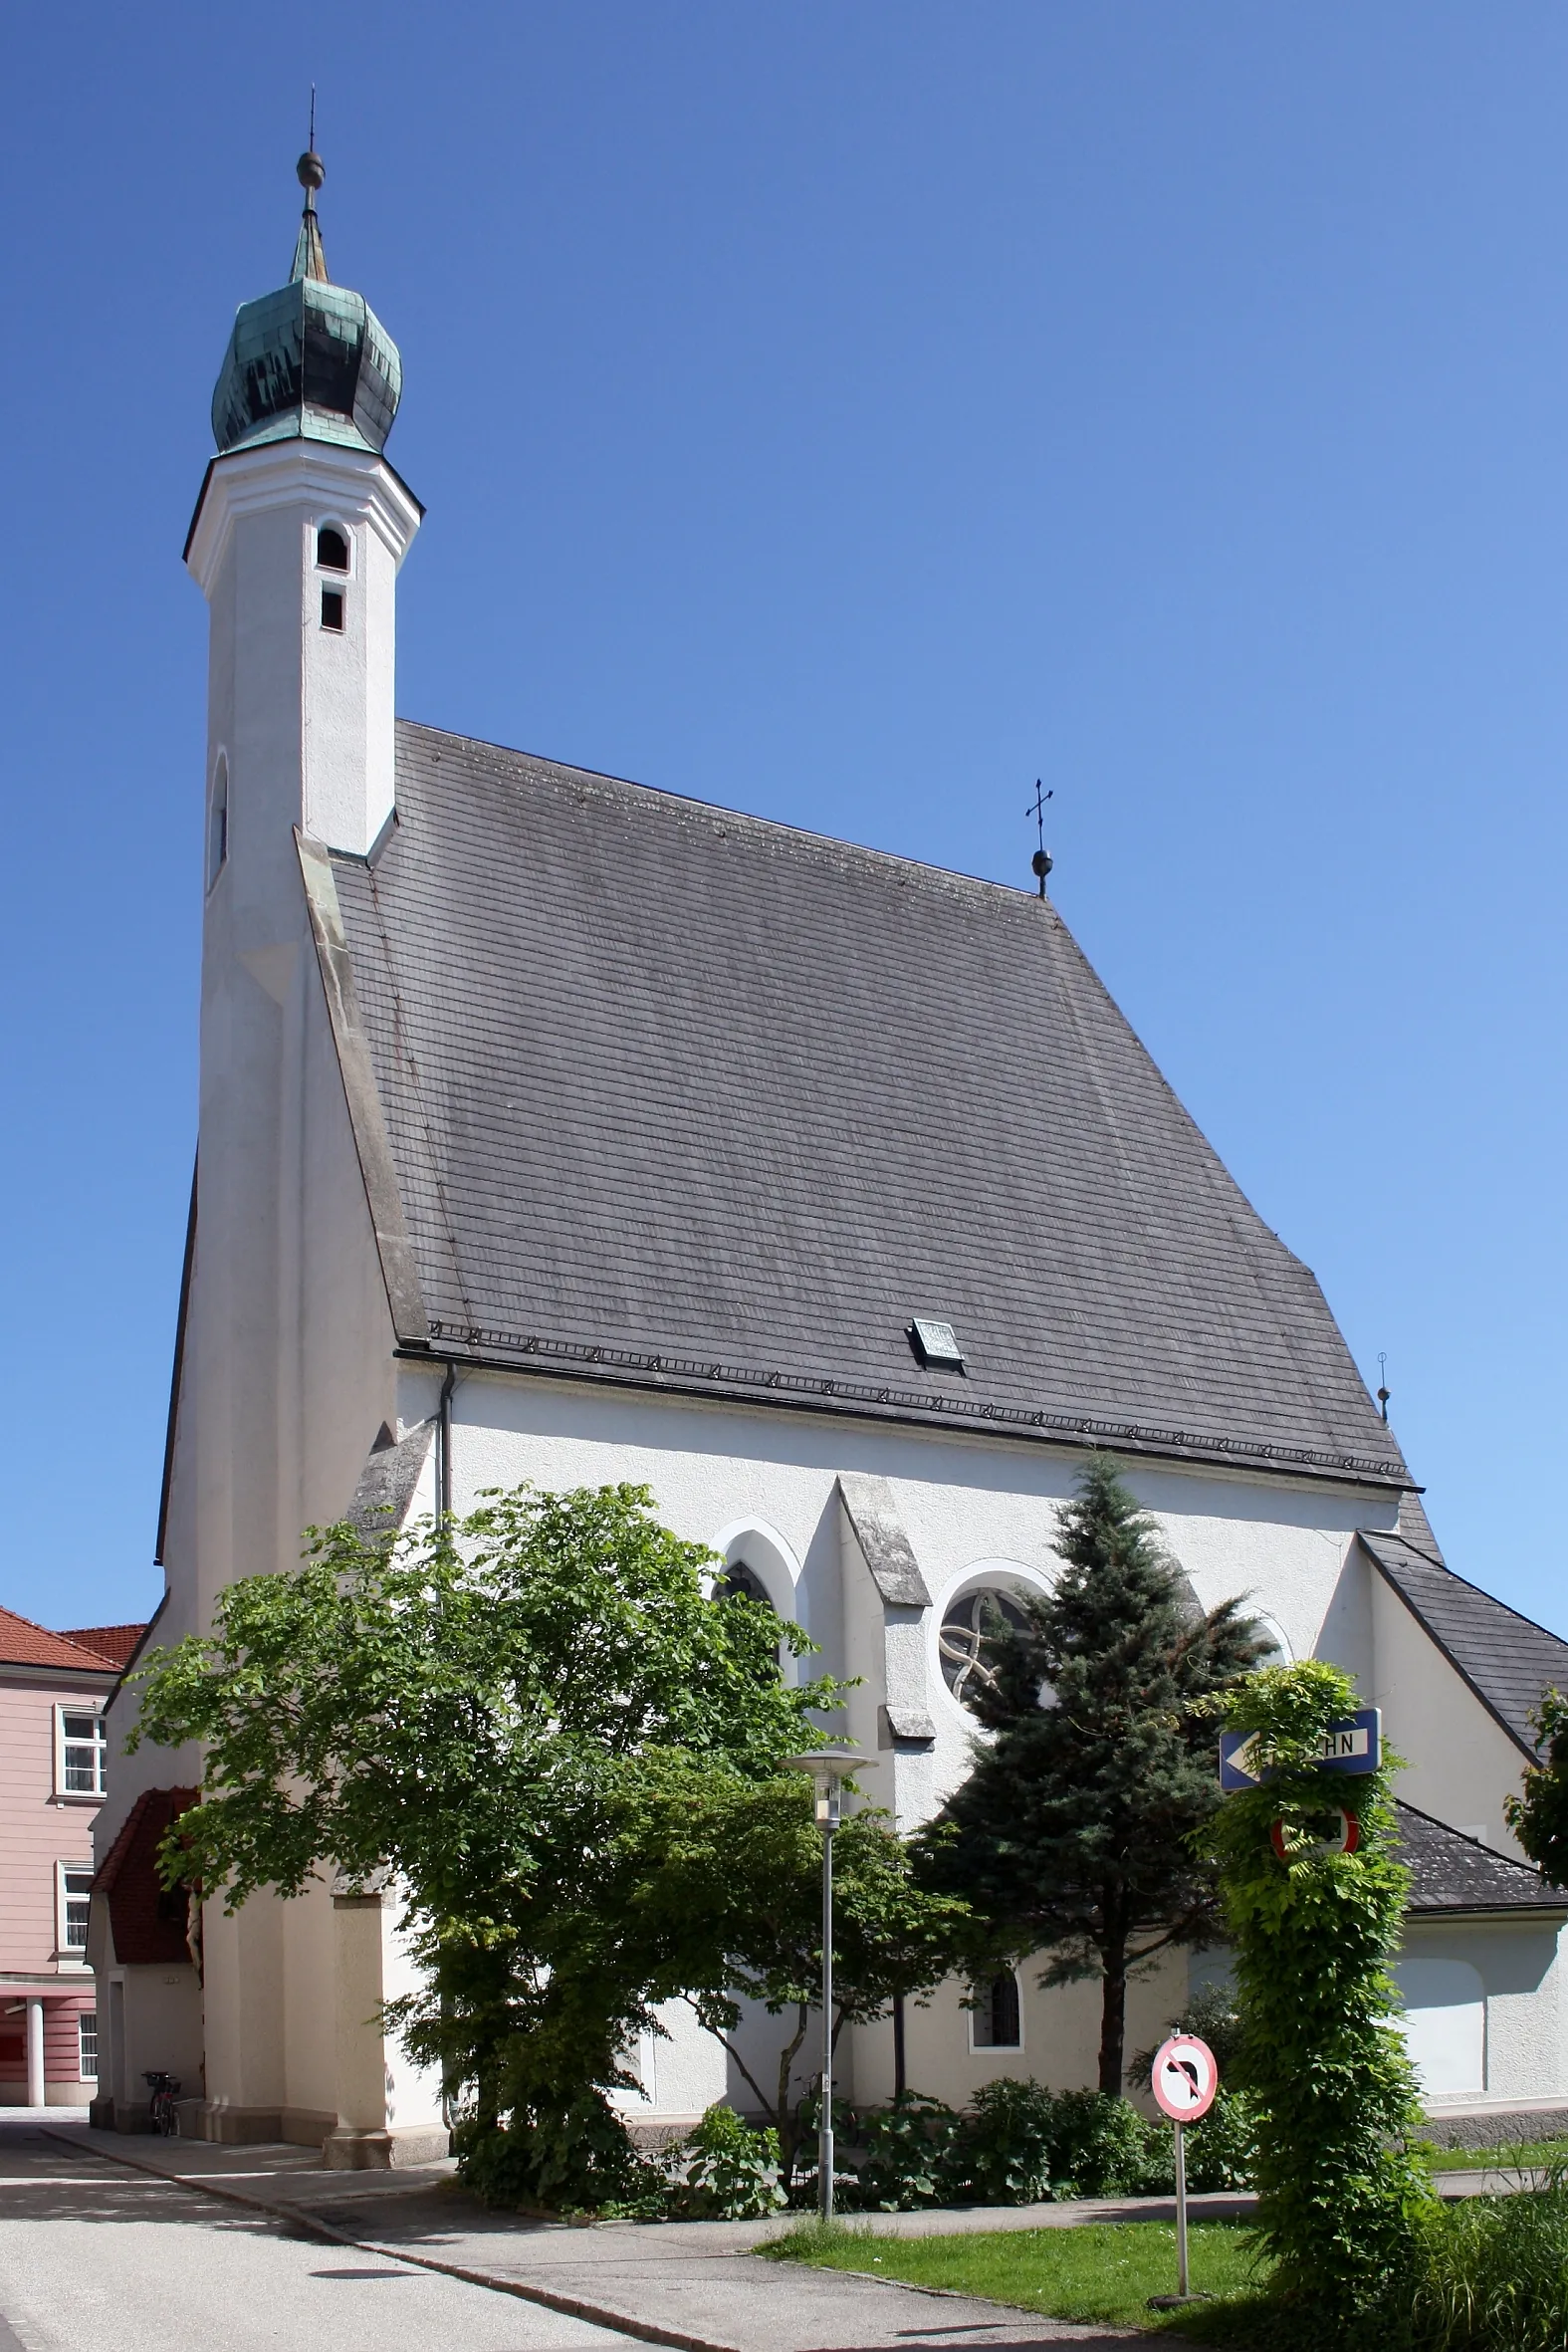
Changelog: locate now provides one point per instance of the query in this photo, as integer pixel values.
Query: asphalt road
(95, 2257)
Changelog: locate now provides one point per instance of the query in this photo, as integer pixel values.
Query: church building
(556, 1128)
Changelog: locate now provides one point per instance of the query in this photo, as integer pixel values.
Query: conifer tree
(1071, 1835)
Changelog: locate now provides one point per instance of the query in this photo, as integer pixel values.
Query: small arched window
(996, 2015)
(218, 820)
(331, 549)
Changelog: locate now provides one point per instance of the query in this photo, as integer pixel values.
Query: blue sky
(850, 413)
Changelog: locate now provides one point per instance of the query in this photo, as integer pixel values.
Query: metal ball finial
(311, 170)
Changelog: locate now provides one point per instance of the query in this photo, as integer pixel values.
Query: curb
(299, 2217)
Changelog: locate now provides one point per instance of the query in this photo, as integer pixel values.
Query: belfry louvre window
(79, 1753)
(331, 608)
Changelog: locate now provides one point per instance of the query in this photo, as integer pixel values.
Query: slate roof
(1507, 1660)
(1451, 1873)
(22, 1643)
(687, 1099)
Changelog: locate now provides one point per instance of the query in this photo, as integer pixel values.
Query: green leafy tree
(728, 1874)
(1342, 2198)
(1539, 1816)
(1071, 1834)
(485, 1709)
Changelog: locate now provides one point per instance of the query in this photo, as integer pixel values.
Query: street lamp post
(828, 1768)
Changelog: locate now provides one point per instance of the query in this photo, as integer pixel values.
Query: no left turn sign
(1186, 2078)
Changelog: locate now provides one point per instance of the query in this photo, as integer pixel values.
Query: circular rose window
(969, 1630)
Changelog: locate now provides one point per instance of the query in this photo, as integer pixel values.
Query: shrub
(1010, 2142)
(912, 2155)
(1221, 2150)
(731, 2173)
(1104, 2146)
(576, 2161)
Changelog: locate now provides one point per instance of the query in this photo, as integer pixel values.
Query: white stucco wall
(1462, 1762)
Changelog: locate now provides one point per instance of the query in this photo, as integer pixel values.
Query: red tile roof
(113, 1642)
(22, 1643)
(148, 1922)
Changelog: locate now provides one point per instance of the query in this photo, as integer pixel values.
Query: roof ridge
(770, 825)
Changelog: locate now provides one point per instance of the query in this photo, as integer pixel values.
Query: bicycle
(163, 2114)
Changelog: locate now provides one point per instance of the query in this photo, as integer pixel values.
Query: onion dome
(312, 361)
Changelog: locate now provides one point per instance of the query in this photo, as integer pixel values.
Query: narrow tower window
(218, 820)
(331, 549)
(331, 608)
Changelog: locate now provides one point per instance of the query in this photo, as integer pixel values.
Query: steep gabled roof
(1451, 1872)
(22, 1643)
(1507, 1661)
(681, 1098)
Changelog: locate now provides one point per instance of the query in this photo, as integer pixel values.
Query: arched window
(969, 1629)
(739, 1582)
(331, 549)
(997, 2019)
(218, 820)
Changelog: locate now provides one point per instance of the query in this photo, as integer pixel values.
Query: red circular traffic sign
(1342, 1840)
(1185, 2078)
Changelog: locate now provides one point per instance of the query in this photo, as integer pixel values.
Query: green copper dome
(312, 361)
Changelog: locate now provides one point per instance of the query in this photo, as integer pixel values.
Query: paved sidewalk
(695, 2286)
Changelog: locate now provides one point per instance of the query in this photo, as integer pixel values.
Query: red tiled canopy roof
(148, 1922)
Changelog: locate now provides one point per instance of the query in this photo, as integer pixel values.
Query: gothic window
(331, 549)
(739, 1582)
(968, 1631)
(218, 820)
(997, 2019)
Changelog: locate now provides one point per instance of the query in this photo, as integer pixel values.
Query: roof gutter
(831, 1397)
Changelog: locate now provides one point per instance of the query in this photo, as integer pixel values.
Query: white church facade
(555, 1128)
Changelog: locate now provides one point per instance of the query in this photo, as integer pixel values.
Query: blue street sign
(1354, 1746)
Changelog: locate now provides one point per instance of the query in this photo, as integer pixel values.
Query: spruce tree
(1071, 1835)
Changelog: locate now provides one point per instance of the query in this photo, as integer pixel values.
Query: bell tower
(297, 540)
(287, 1337)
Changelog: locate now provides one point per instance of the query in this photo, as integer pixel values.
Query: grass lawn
(1100, 2270)
(1472, 2160)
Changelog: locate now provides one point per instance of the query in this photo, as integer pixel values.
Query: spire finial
(310, 258)
(1041, 862)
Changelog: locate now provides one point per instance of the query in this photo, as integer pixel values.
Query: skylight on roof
(935, 1345)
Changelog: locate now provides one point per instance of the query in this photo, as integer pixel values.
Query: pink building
(51, 1762)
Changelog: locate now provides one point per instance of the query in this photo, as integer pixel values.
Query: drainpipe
(444, 1444)
(36, 2096)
